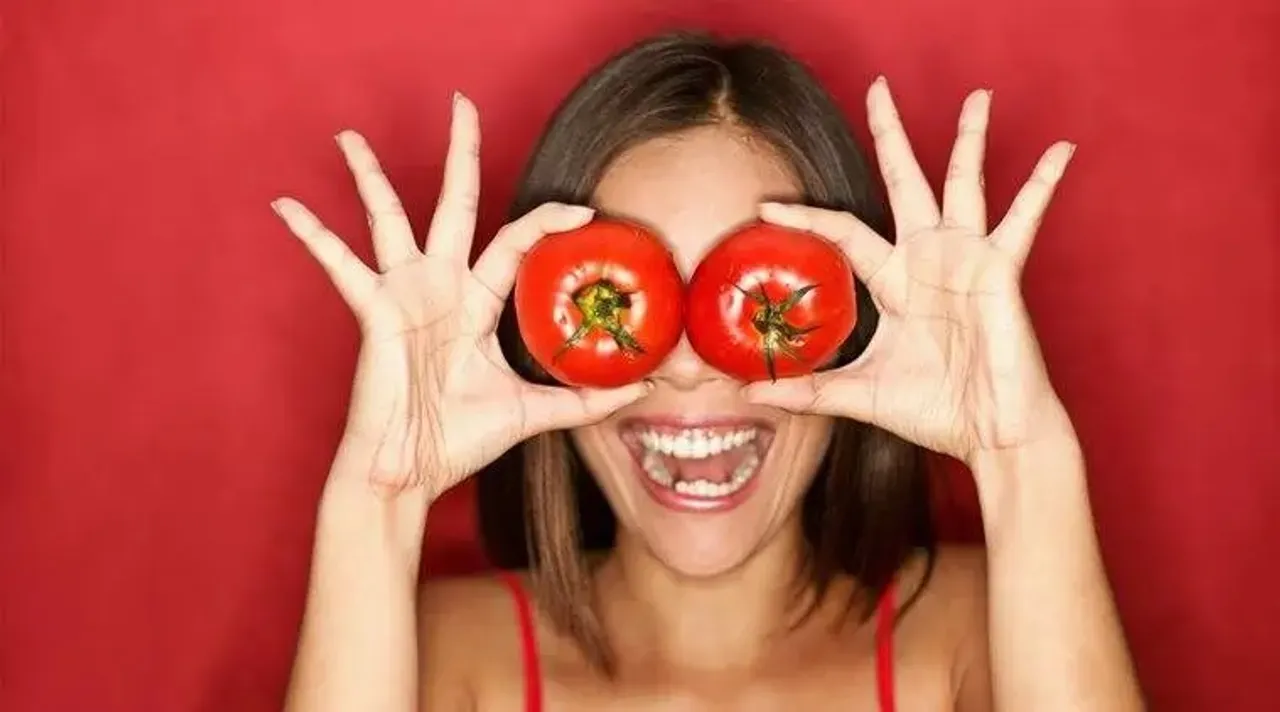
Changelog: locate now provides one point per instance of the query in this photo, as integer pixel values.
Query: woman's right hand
(434, 400)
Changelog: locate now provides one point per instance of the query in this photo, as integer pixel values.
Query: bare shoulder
(948, 599)
(468, 641)
(959, 572)
(956, 570)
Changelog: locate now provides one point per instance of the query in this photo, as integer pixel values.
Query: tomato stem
(777, 335)
(602, 304)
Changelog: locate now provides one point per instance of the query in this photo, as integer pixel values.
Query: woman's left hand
(954, 365)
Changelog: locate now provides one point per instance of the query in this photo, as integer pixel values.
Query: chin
(704, 493)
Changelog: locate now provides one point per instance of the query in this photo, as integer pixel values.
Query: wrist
(353, 507)
(1041, 480)
(360, 525)
(1048, 436)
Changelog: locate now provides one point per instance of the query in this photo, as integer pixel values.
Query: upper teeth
(696, 443)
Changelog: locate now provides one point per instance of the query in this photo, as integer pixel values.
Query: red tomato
(768, 302)
(601, 305)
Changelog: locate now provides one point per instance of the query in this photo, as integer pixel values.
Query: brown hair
(868, 508)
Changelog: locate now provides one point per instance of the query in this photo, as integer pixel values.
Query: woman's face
(700, 476)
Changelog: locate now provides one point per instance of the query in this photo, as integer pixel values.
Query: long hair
(867, 510)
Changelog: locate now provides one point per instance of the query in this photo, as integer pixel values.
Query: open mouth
(698, 466)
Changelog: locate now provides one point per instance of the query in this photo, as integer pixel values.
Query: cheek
(594, 448)
(808, 439)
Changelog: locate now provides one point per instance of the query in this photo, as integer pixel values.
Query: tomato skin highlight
(601, 305)
(739, 319)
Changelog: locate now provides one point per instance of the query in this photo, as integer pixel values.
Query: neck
(655, 614)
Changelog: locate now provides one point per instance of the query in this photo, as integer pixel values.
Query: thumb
(798, 394)
(836, 394)
(559, 408)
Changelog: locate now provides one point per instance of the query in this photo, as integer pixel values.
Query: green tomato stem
(602, 305)
(777, 335)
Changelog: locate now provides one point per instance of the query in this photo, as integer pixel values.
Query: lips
(697, 464)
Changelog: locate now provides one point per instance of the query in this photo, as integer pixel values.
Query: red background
(175, 368)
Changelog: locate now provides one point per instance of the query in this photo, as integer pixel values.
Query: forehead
(694, 187)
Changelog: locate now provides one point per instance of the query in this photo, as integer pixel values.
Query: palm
(954, 364)
(935, 365)
(434, 399)
(429, 357)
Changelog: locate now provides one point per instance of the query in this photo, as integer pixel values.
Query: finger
(842, 393)
(555, 408)
(393, 243)
(354, 281)
(1017, 230)
(914, 205)
(964, 204)
(865, 249)
(495, 269)
(454, 221)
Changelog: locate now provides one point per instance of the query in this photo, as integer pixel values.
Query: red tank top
(533, 674)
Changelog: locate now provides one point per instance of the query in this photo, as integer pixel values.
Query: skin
(692, 190)
(693, 602)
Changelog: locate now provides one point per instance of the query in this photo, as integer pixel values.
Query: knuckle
(544, 217)
(367, 162)
(464, 200)
(303, 221)
(882, 129)
(893, 177)
(386, 215)
(348, 265)
(326, 242)
(551, 208)
(957, 171)
(503, 234)
(1039, 185)
(1051, 167)
(1049, 172)
(843, 224)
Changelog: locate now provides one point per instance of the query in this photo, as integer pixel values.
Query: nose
(684, 370)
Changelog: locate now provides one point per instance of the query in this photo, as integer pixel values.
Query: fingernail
(275, 206)
(880, 80)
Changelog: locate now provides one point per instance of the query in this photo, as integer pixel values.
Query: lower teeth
(657, 471)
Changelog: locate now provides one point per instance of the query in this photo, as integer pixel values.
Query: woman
(823, 589)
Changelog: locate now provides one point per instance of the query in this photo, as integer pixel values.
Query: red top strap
(885, 613)
(528, 643)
